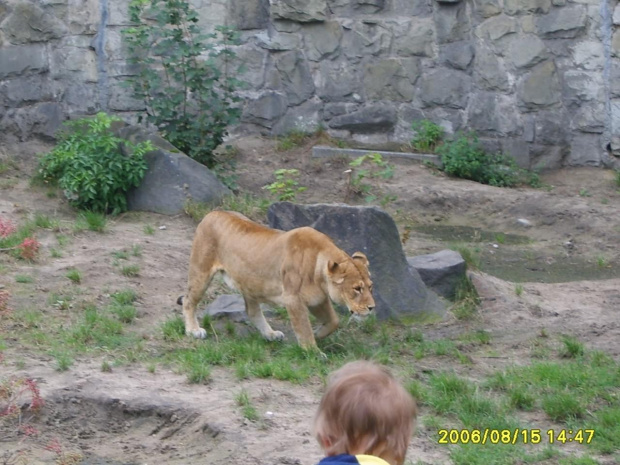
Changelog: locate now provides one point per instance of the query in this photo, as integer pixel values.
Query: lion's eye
(358, 289)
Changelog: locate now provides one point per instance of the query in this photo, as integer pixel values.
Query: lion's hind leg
(201, 272)
(257, 318)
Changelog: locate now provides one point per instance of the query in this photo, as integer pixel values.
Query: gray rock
(541, 87)
(413, 37)
(249, 14)
(451, 22)
(526, 50)
(584, 86)
(550, 127)
(27, 90)
(303, 11)
(497, 27)
(590, 54)
(41, 120)
(525, 223)
(445, 87)
(563, 23)
(493, 114)
(253, 61)
(364, 39)
(369, 6)
(513, 7)
(338, 81)
(489, 71)
(28, 23)
(547, 157)
(386, 79)
(442, 271)
(322, 40)
(487, 8)
(337, 109)
(228, 306)
(278, 41)
(67, 62)
(585, 150)
(370, 119)
(589, 118)
(457, 55)
(171, 179)
(517, 149)
(305, 117)
(266, 109)
(397, 291)
(22, 60)
(295, 77)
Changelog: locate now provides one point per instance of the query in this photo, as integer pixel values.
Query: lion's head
(349, 284)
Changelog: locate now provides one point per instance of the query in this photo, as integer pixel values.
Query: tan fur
(300, 270)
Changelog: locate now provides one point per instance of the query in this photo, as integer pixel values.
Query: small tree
(184, 76)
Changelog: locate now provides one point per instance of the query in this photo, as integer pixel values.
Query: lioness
(300, 270)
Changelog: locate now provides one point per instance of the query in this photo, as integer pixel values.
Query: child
(365, 417)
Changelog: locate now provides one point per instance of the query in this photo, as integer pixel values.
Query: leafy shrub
(428, 135)
(464, 158)
(184, 76)
(89, 166)
(285, 187)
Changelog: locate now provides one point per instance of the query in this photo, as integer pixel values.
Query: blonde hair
(365, 410)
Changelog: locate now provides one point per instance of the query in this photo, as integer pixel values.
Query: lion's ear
(360, 256)
(332, 268)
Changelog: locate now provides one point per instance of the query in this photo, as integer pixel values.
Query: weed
(571, 347)
(106, 367)
(604, 201)
(285, 187)
(63, 361)
(125, 313)
(617, 178)
(500, 238)
(149, 230)
(93, 221)
(74, 276)
(519, 289)
(371, 167)
(428, 135)
(90, 168)
(466, 300)
(120, 255)
(471, 256)
(45, 222)
(124, 297)
(563, 406)
(584, 193)
(130, 271)
(136, 250)
(602, 262)
(151, 368)
(55, 253)
(23, 279)
(173, 329)
(248, 410)
(293, 139)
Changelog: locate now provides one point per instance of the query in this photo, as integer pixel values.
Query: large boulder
(398, 290)
(171, 179)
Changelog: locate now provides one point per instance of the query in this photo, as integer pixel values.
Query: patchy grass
(247, 204)
(74, 275)
(247, 408)
(130, 271)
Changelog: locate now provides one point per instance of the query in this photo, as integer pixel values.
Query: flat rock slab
(229, 306)
(322, 151)
(441, 271)
(398, 289)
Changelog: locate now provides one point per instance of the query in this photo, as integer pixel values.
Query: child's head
(365, 411)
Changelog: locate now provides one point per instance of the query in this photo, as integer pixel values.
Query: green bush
(88, 164)
(185, 77)
(464, 158)
(428, 135)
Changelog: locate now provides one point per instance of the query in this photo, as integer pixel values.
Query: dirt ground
(133, 416)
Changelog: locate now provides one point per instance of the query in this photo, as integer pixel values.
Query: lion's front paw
(275, 336)
(199, 333)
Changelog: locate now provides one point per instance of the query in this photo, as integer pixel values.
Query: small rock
(525, 223)
(162, 228)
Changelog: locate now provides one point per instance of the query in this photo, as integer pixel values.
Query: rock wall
(538, 79)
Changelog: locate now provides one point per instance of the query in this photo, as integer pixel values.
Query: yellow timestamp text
(515, 436)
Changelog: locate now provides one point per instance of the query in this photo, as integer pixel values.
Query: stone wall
(538, 79)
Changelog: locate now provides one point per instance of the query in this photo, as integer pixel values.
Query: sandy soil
(133, 416)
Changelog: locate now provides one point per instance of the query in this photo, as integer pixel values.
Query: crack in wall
(102, 71)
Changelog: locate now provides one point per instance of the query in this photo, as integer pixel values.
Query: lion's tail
(180, 300)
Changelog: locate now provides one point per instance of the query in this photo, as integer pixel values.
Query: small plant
(519, 289)
(106, 367)
(173, 329)
(74, 275)
(6, 228)
(125, 313)
(136, 250)
(602, 262)
(293, 139)
(93, 221)
(243, 401)
(617, 177)
(63, 361)
(572, 347)
(29, 249)
(367, 168)
(124, 297)
(285, 187)
(149, 230)
(583, 192)
(130, 271)
(428, 136)
(466, 300)
(23, 279)
(90, 167)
